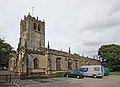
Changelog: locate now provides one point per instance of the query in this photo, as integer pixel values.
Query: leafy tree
(110, 55)
(5, 49)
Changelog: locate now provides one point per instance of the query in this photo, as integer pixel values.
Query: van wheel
(94, 76)
(66, 75)
(78, 77)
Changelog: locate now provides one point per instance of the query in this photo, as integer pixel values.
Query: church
(32, 57)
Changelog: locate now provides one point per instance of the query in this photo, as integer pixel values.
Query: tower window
(39, 27)
(34, 26)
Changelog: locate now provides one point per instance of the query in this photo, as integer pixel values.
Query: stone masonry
(32, 57)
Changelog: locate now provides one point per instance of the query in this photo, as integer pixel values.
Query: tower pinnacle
(69, 50)
(48, 45)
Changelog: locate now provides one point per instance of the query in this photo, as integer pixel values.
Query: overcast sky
(84, 25)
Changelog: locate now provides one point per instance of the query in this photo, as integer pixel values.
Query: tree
(5, 49)
(110, 55)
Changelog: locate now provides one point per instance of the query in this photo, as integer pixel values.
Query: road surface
(107, 81)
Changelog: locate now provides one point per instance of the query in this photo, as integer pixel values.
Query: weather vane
(32, 10)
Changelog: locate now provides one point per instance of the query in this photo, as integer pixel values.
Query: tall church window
(58, 64)
(39, 27)
(36, 66)
(21, 55)
(11, 63)
(14, 63)
(70, 64)
(34, 26)
(76, 64)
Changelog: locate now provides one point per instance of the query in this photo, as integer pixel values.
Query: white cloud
(82, 24)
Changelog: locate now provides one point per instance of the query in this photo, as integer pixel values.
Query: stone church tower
(32, 37)
(33, 31)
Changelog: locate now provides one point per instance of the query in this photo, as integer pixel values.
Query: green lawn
(114, 73)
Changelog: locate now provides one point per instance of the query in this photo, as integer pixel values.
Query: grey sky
(84, 25)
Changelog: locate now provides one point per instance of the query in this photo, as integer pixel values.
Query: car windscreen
(71, 72)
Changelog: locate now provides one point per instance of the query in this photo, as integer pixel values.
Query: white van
(92, 70)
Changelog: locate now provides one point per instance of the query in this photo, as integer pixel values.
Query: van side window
(84, 69)
(96, 69)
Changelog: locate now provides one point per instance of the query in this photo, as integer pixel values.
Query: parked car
(92, 70)
(75, 74)
(4, 68)
(106, 71)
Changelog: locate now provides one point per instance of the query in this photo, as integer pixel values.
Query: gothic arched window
(36, 65)
(69, 64)
(34, 26)
(76, 64)
(11, 63)
(39, 27)
(58, 64)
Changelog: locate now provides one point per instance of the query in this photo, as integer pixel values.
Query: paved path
(107, 81)
(9, 83)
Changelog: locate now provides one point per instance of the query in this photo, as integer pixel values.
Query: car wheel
(94, 76)
(66, 75)
(78, 77)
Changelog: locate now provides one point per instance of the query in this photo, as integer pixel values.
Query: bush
(0, 69)
(58, 74)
